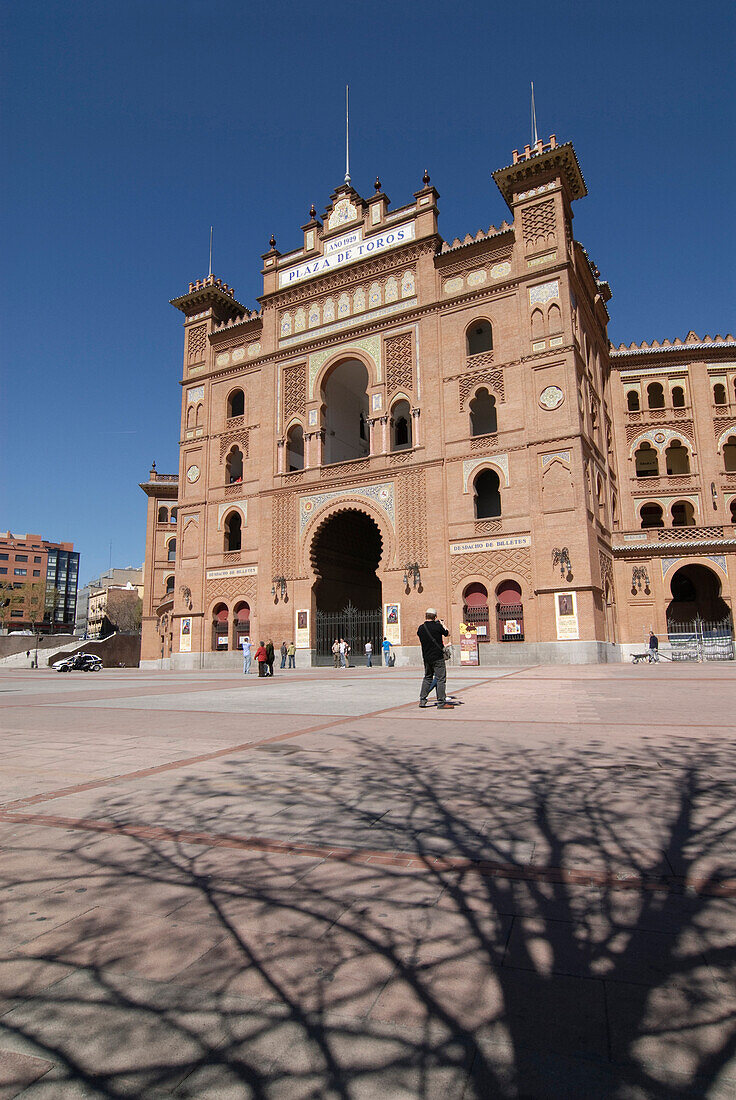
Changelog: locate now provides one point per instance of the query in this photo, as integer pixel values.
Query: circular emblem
(193, 474)
(383, 494)
(308, 506)
(660, 437)
(551, 398)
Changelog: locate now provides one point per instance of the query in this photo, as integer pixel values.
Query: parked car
(79, 662)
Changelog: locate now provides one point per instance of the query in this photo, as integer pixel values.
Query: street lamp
(278, 589)
(561, 557)
(412, 573)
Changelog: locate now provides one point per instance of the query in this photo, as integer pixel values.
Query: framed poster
(566, 616)
(392, 622)
(302, 630)
(185, 635)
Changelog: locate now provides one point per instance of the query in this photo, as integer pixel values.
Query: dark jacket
(269, 653)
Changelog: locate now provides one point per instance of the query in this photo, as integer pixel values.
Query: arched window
(554, 319)
(483, 419)
(719, 394)
(234, 466)
(174, 515)
(295, 448)
(601, 499)
(233, 532)
(655, 395)
(683, 514)
(509, 612)
(235, 404)
(171, 548)
(651, 516)
(401, 427)
(733, 511)
(346, 411)
(678, 397)
(537, 324)
(632, 401)
(169, 586)
(678, 460)
(479, 337)
(729, 454)
(487, 495)
(163, 515)
(647, 461)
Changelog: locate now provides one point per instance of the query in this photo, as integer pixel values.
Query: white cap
(430, 613)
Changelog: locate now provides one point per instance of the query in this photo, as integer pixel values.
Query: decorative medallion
(193, 474)
(551, 398)
(660, 437)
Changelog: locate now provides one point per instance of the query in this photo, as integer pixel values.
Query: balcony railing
(718, 533)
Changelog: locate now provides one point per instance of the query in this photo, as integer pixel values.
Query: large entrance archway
(346, 551)
(699, 621)
(696, 594)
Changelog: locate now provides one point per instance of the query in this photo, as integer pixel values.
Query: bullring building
(407, 421)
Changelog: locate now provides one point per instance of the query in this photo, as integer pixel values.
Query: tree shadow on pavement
(545, 925)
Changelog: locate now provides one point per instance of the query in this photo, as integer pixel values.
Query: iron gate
(700, 640)
(356, 627)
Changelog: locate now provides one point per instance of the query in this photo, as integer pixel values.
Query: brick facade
(512, 321)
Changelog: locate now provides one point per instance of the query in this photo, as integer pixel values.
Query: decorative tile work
(371, 345)
(238, 355)
(730, 430)
(545, 292)
(342, 213)
(501, 270)
(300, 320)
(295, 384)
(285, 329)
(399, 363)
(412, 517)
(408, 284)
(253, 349)
(328, 311)
(551, 397)
(241, 505)
(454, 286)
(340, 326)
(717, 559)
(194, 395)
(197, 343)
(563, 455)
(500, 463)
(477, 277)
(392, 289)
(232, 589)
(381, 495)
(659, 437)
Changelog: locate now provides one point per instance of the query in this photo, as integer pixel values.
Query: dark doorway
(696, 594)
(346, 552)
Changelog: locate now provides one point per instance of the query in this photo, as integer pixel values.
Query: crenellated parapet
(692, 341)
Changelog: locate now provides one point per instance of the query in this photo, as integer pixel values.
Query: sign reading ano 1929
(348, 249)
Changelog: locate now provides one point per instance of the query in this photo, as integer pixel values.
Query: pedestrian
(245, 645)
(343, 650)
(284, 651)
(653, 647)
(270, 656)
(291, 652)
(431, 634)
(261, 658)
(336, 653)
(368, 655)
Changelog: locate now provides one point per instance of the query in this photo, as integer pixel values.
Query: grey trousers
(434, 668)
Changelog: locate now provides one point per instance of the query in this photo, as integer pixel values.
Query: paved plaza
(219, 887)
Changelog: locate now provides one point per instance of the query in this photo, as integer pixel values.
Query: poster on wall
(468, 645)
(302, 630)
(185, 635)
(566, 615)
(392, 622)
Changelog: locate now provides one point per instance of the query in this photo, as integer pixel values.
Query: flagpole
(347, 133)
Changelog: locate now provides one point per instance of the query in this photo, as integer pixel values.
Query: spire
(535, 139)
(347, 133)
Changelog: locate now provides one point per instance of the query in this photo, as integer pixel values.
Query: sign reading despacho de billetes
(348, 250)
(235, 571)
(509, 543)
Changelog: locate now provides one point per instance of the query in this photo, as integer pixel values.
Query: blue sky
(129, 128)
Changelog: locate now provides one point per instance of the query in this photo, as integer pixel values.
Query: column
(280, 453)
(415, 427)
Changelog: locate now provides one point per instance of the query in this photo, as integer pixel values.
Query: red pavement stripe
(725, 888)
